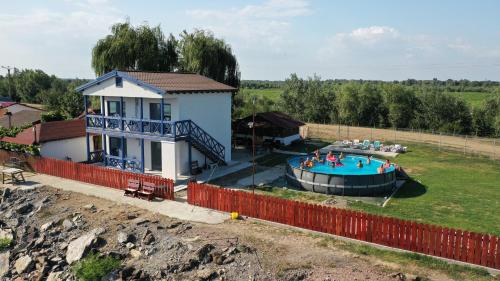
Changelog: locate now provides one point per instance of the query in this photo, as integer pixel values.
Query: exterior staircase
(205, 143)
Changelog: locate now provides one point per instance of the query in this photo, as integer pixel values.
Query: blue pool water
(349, 167)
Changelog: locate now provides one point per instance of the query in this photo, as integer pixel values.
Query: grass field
(475, 99)
(448, 189)
(273, 94)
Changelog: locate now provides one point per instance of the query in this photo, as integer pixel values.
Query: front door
(156, 156)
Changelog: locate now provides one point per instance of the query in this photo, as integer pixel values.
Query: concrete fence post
(465, 144)
(494, 149)
(440, 135)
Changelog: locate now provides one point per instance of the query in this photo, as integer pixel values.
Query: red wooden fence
(470, 247)
(101, 175)
(91, 173)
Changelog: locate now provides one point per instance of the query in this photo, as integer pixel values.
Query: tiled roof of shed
(50, 131)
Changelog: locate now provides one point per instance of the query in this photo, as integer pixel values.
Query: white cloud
(253, 26)
(373, 34)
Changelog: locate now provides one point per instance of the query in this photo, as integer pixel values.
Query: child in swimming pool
(360, 164)
(380, 169)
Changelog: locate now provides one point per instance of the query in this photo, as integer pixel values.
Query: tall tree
(134, 48)
(202, 53)
(30, 83)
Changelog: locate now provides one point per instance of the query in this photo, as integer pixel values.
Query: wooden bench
(147, 191)
(132, 188)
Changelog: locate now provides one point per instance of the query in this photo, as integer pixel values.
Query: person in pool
(381, 169)
(317, 156)
(341, 156)
(330, 157)
(360, 164)
(369, 160)
(387, 164)
(308, 163)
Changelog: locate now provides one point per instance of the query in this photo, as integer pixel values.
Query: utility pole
(9, 80)
(253, 144)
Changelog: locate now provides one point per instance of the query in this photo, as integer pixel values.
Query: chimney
(34, 133)
(9, 114)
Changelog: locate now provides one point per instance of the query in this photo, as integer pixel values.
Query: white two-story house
(158, 122)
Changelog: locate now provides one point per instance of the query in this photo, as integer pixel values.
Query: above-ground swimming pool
(346, 179)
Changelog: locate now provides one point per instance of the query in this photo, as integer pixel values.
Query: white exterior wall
(75, 148)
(210, 111)
(108, 88)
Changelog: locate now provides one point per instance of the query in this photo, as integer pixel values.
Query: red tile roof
(179, 82)
(20, 118)
(50, 131)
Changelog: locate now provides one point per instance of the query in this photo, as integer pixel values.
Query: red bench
(132, 188)
(147, 191)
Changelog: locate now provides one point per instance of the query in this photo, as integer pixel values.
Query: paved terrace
(175, 209)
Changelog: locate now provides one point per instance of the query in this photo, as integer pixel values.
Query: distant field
(273, 94)
(473, 98)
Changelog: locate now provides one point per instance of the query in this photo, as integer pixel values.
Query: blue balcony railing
(174, 129)
(128, 164)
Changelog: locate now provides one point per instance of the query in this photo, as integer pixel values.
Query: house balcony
(139, 128)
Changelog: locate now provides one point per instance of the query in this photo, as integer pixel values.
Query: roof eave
(116, 73)
(201, 91)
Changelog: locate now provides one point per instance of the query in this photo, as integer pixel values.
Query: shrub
(95, 267)
(52, 116)
(5, 243)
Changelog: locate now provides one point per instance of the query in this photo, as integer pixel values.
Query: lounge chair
(346, 142)
(147, 191)
(366, 144)
(132, 188)
(376, 145)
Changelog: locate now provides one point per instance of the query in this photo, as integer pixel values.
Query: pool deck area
(337, 148)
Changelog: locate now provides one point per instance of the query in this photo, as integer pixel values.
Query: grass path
(447, 189)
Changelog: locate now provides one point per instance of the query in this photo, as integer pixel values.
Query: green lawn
(448, 189)
(473, 98)
(273, 94)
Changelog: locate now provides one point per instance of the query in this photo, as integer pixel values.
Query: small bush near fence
(90, 173)
(465, 246)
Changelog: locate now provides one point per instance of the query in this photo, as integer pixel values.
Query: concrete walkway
(174, 209)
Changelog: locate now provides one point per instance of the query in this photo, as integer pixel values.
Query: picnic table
(15, 174)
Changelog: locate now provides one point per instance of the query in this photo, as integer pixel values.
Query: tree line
(387, 104)
(35, 86)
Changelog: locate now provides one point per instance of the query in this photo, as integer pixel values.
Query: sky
(383, 40)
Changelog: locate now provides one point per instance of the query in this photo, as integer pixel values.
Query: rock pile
(45, 244)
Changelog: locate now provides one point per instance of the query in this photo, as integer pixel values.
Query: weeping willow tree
(204, 54)
(146, 48)
(135, 48)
